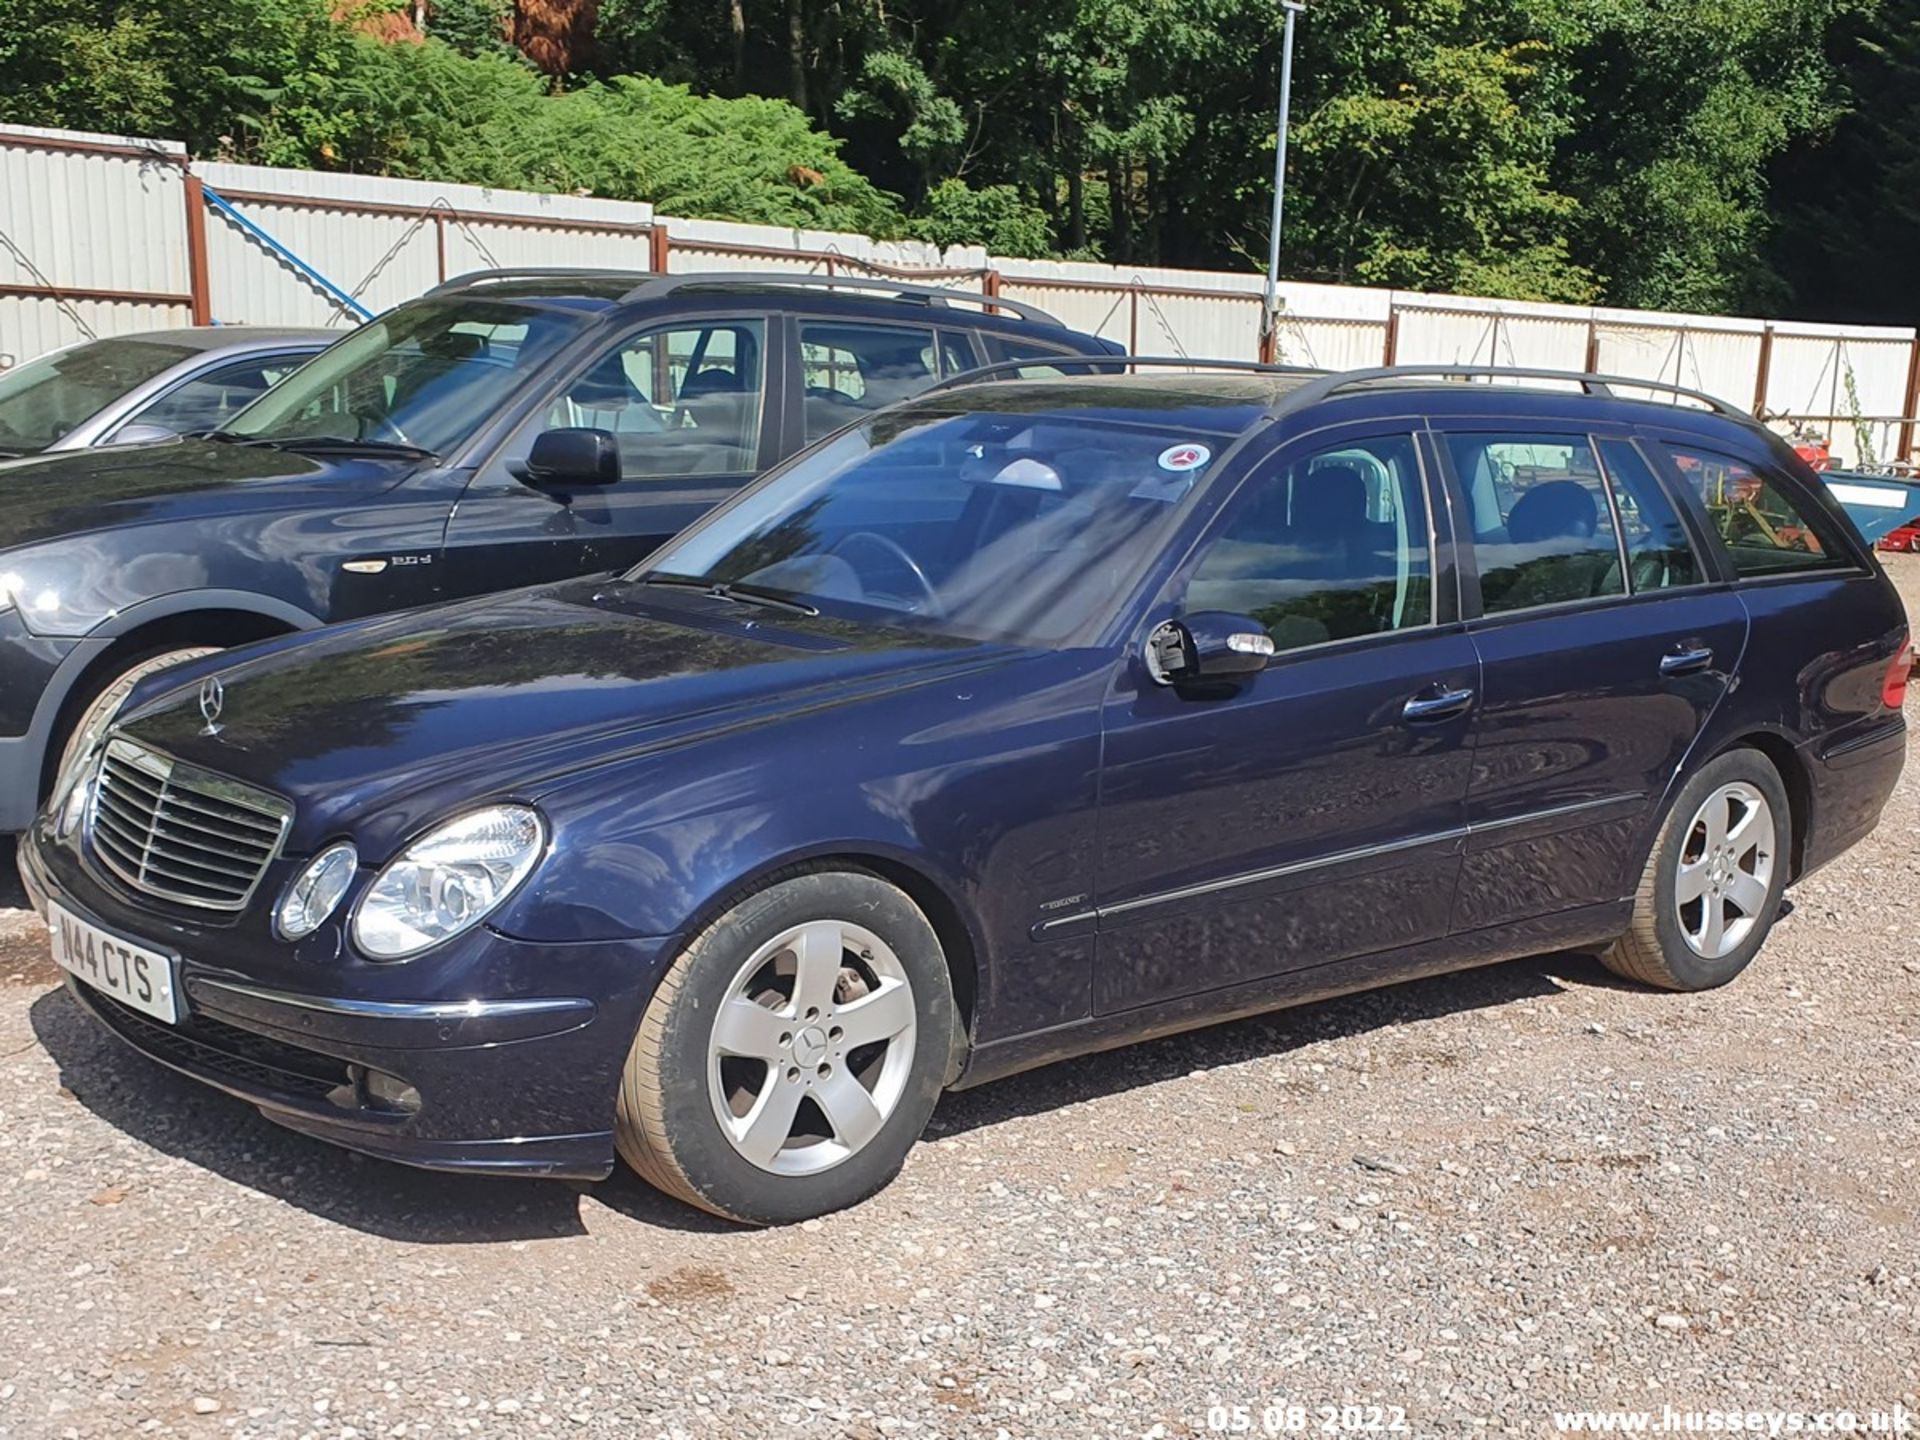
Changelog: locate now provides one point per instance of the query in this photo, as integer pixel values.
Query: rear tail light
(1894, 692)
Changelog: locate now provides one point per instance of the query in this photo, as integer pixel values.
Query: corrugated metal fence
(103, 234)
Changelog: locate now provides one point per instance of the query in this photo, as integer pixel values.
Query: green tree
(1849, 199)
(427, 112)
(1681, 111)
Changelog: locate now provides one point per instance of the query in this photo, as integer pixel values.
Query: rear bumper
(1851, 781)
(513, 1085)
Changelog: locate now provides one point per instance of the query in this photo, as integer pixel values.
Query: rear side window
(1659, 554)
(1766, 530)
(1330, 547)
(1003, 348)
(850, 369)
(1543, 532)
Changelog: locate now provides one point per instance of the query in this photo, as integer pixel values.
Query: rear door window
(1660, 556)
(1766, 529)
(1542, 527)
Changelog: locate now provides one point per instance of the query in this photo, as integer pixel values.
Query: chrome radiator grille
(181, 833)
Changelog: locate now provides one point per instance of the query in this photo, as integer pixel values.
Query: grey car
(128, 388)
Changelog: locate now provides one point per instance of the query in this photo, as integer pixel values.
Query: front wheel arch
(951, 923)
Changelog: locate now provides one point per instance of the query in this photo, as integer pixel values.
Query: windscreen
(1031, 527)
(45, 398)
(426, 375)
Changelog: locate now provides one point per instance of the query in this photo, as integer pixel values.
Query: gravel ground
(1480, 1198)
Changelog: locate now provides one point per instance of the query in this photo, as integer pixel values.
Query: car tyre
(113, 694)
(792, 1053)
(1724, 847)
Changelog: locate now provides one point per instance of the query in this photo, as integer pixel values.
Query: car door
(687, 404)
(1314, 812)
(1605, 643)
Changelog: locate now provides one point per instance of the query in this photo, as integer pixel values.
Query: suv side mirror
(573, 455)
(1207, 647)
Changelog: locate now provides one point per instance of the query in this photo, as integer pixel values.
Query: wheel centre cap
(810, 1045)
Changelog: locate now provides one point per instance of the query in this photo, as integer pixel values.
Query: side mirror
(1207, 647)
(141, 433)
(572, 456)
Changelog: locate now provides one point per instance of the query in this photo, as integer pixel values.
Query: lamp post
(1270, 306)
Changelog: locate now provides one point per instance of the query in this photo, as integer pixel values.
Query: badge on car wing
(213, 699)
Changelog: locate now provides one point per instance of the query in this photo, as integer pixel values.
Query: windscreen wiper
(730, 590)
(342, 442)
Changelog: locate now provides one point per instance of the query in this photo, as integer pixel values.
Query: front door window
(681, 401)
(1331, 547)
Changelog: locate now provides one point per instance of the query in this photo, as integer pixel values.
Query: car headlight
(315, 892)
(448, 881)
(70, 785)
(70, 799)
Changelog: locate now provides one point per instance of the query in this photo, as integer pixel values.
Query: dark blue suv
(1015, 721)
(509, 428)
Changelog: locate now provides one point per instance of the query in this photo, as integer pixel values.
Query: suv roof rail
(656, 285)
(1590, 382)
(648, 285)
(1069, 362)
(535, 272)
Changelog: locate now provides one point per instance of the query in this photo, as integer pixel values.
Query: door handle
(1686, 662)
(1436, 704)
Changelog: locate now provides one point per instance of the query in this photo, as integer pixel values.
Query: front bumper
(520, 1083)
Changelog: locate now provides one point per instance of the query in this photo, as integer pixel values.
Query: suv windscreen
(427, 374)
(45, 398)
(1030, 527)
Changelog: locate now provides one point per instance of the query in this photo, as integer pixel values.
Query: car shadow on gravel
(1264, 1037)
(181, 1117)
(13, 895)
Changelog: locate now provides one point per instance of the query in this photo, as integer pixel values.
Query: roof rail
(1066, 362)
(654, 286)
(1592, 384)
(647, 285)
(535, 272)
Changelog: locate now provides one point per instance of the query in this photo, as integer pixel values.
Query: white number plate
(137, 977)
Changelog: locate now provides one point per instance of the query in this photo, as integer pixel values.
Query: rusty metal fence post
(199, 286)
(1912, 408)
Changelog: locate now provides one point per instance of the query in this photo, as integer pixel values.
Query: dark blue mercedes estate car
(1012, 722)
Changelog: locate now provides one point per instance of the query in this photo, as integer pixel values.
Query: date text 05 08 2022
(1281, 1417)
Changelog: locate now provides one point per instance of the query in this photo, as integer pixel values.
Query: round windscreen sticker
(1184, 457)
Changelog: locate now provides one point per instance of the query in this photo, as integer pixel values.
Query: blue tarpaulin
(1876, 503)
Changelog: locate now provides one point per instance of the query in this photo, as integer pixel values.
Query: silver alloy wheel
(811, 1048)
(1726, 870)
